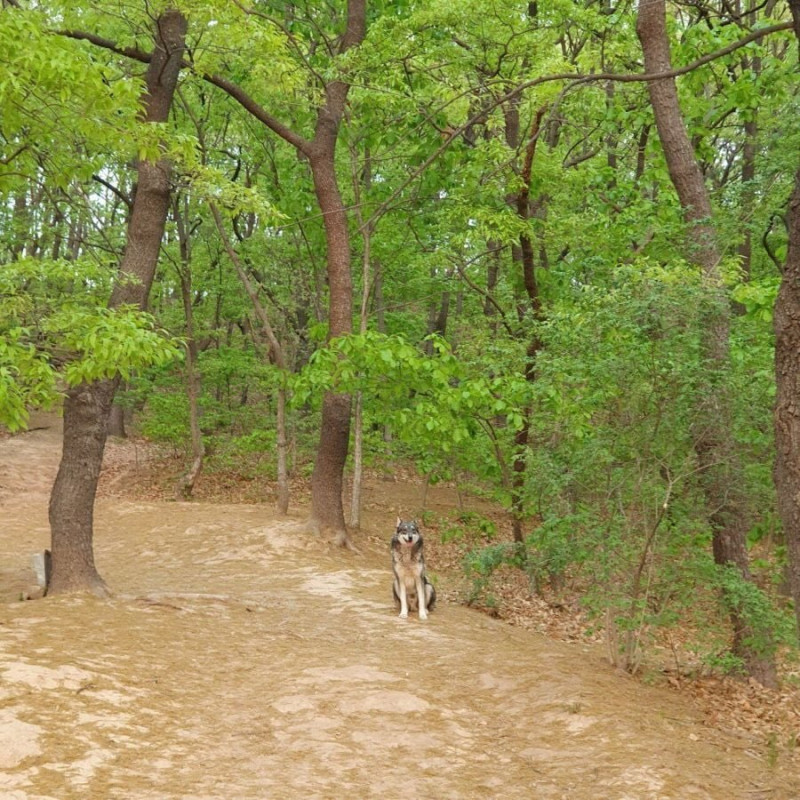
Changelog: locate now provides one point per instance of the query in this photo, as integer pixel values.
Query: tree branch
(114, 189)
(252, 292)
(252, 107)
(352, 35)
(577, 79)
(230, 88)
(107, 44)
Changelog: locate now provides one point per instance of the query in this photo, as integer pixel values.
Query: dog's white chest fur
(407, 559)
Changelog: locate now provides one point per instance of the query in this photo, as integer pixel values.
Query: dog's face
(407, 532)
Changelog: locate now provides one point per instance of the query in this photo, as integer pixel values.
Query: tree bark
(87, 407)
(787, 401)
(787, 379)
(327, 510)
(713, 442)
(116, 422)
(492, 276)
(185, 486)
(532, 306)
(358, 416)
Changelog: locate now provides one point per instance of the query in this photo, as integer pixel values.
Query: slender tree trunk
(187, 481)
(116, 421)
(185, 486)
(495, 250)
(533, 305)
(358, 415)
(358, 462)
(327, 510)
(749, 152)
(283, 450)
(713, 443)
(19, 223)
(278, 356)
(87, 407)
(787, 378)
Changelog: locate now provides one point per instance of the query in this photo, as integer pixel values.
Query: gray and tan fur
(411, 587)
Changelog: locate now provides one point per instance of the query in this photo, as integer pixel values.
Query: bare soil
(241, 658)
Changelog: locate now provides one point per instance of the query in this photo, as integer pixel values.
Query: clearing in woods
(241, 658)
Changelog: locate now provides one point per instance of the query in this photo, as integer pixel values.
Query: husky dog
(411, 585)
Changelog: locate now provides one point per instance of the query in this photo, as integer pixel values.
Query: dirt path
(240, 658)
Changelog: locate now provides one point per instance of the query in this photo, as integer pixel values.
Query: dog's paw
(404, 615)
(423, 615)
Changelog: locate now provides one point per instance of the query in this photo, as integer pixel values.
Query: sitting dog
(411, 587)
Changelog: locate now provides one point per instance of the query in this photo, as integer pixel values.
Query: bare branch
(107, 44)
(18, 152)
(251, 106)
(114, 189)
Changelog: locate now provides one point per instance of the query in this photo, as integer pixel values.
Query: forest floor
(240, 657)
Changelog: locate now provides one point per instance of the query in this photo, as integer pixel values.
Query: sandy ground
(241, 658)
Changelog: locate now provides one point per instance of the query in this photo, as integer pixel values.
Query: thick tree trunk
(787, 379)
(787, 401)
(86, 410)
(87, 407)
(714, 445)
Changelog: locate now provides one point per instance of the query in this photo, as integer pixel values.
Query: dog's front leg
(403, 599)
(422, 598)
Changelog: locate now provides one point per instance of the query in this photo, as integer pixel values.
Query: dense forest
(546, 251)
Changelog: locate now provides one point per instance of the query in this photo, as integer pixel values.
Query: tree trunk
(327, 510)
(116, 422)
(532, 306)
(749, 152)
(358, 416)
(283, 451)
(86, 410)
(185, 487)
(358, 463)
(787, 378)
(713, 442)
(87, 407)
(278, 356)
(787, 403)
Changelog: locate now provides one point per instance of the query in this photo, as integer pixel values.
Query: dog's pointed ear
(397, 524)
